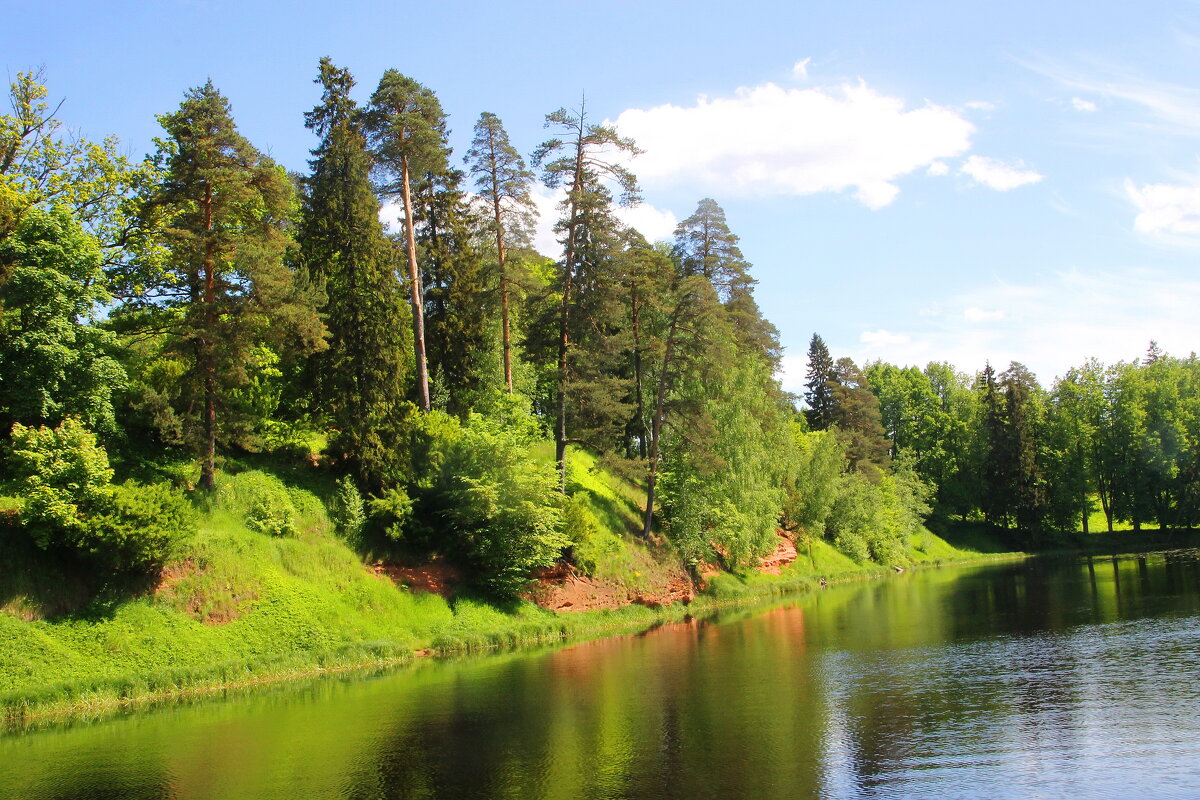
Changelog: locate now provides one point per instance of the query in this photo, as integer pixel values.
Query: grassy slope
(243, 607)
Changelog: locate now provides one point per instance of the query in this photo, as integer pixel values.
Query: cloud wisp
(1049, 324)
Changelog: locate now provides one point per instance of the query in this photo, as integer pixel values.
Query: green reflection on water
(863, 685)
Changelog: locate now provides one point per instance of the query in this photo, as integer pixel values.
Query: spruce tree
(706, 246)
(503, 185)
(459, 292)
(224, 288)
(856, 416)
(818, 394)
(361, 379)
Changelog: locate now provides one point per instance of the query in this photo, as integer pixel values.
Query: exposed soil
(785, 553)
(434, 577)
(563, 588)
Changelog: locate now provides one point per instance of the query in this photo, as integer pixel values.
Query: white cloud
(792, 372)
(884, 338)
(1051, 323)
(771, 140)
(1079, 104)
(981, 105)
(995, 174)
(938, 168)
(800, 69)
(976, 314)
(654, 223)
(651, 222)
(1166, 208)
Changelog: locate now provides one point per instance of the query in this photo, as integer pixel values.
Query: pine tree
(706, 246)
(503, 184)
(1025, 472)
(406, 128)
(360, 380)
(996, 500)
(224, 287)
(818, 394)
(578, 159)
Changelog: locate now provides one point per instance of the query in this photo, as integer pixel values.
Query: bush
(68, 502)
(61, 474)
(262, 500)
(485, 498)
(139, 527)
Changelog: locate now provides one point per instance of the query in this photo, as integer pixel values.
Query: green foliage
(815, 469)
(392, 510)
(347, 510)
(68, 503)
(62, 475)
(723, 498)
(484, 499)
(140, 528)
(54, 360)
(223, 214)
(359, 382)
(263, 500)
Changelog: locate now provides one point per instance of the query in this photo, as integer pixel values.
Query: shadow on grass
(37, 584)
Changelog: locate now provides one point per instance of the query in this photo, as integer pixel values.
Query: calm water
(1043, 679)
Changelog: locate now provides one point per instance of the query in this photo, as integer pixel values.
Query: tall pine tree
(580, 158)
(223, 287)
(406, 126)
(503, 185)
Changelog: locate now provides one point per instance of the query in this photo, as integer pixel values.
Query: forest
(170, 322)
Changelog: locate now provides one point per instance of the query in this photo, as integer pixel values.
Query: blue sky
(914, 181)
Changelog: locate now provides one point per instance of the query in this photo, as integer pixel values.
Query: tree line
(204, 301)
(1121, 439)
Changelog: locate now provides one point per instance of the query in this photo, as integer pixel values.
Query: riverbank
(243, 610)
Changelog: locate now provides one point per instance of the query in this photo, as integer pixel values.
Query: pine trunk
(505, 335)
(205, 359)
(656, 427)
(414, 278)
(560, 422)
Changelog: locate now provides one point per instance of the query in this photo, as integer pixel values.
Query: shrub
(262, 500)
(61, 475)
(139, 527)
(484, 498)
(347, 510)
(68, 502)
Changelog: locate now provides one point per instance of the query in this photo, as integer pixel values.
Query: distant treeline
(1122, 439)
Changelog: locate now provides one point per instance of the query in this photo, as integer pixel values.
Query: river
(1071, 678)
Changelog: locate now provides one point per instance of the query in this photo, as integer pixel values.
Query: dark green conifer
(224, 288)
(818, 394)
(360, 381)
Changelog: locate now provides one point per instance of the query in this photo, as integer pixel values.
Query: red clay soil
(785, 553)
(434, 577)
(563, 588)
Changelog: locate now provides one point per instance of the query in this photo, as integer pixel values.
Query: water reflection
(1043, 678)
